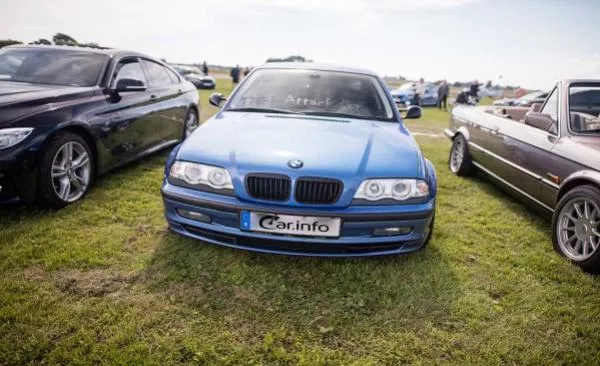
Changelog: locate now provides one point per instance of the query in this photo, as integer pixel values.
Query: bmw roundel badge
(295, 164)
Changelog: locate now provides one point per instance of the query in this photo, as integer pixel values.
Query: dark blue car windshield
(314, 92)
(51, 66)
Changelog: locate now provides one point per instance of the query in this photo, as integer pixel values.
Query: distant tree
(288, 59)
(89, 44)
(8, 42)
(42, 41)
(63, 39)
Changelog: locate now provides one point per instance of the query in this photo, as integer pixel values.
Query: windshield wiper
(262, 110)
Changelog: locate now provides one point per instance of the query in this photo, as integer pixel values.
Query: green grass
(104, 282)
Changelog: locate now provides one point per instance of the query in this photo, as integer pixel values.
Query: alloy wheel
(578, 229)
(71, 171)
(457, 155)
(191, 122)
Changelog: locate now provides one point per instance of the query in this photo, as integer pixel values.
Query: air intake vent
(268, 187)
(318, 191)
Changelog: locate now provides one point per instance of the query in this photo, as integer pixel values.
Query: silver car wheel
(191, 122)
(457, 155)
(578, 229)
(71, 168)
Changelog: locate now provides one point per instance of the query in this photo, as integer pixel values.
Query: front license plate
(291, 225)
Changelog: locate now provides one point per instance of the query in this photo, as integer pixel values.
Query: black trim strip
(286, 211)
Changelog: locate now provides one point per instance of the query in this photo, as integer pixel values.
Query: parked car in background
(547, 155)
(304, 159)
(195, 76)
(524, 101)
(404, 95)
(68, 114)
(490, 91)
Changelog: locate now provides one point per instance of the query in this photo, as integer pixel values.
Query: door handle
(153, 97)
(494, 131)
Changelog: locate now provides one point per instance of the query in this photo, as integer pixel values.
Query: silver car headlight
(396, 189)
(200, 174)
(11, 136)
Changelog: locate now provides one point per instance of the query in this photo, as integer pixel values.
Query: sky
(531, 43)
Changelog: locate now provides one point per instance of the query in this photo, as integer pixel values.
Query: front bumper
(18, 175)
(356, 236)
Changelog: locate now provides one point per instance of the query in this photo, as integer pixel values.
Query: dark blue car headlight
(10, 137)
(395, 189)
(201, 176)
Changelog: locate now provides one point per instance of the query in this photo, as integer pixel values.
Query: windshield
(326, 93)
(584, 108)
(51, 66)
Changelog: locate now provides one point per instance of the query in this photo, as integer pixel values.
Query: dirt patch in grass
(96, 282)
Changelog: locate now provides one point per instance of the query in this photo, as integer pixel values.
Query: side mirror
(536, 107)
(130, 85)
(542, 121)
(216, 99)
(413, 112)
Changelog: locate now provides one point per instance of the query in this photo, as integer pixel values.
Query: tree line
(59, 39)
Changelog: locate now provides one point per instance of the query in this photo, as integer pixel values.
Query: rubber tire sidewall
(46, 195)
(466, 167)
(592, 264)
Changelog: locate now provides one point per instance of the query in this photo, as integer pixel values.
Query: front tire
(576, 227)
(66, 171)
(459, 160)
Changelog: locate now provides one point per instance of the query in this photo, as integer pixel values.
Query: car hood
(402, 93)
(18, 100)
(200, 77)
(328, 147)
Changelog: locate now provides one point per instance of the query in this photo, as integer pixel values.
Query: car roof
(315, 66)
(98, 50)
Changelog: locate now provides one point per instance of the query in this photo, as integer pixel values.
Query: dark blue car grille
(268, 187)
(318, 191)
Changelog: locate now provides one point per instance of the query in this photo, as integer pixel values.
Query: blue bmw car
(304, 159)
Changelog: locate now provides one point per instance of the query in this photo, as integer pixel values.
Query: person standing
(235, 74)
(443, 91)
(420, 89)
(474, 89)
(204, 68)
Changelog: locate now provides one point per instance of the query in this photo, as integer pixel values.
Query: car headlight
(200, 174)
(11, 136)
(396, 189)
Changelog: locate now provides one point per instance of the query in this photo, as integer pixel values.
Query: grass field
(104, 282)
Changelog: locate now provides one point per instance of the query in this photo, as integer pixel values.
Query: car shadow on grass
(129, 174)
(355, 295)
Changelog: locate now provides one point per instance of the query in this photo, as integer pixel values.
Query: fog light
(388, 231)
(197, 216)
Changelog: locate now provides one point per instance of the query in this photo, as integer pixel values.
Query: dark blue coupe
(304, 159)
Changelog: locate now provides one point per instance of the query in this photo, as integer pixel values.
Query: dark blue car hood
(18, 100)
(330, 147)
